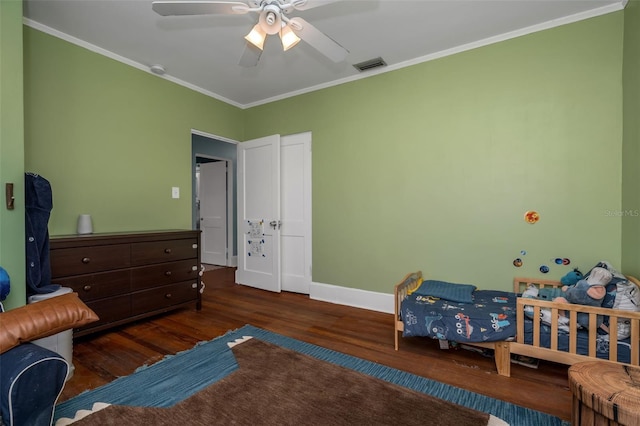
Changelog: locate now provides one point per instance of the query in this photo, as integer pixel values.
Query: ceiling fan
(272, 19)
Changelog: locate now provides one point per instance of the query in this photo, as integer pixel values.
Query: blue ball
(5, 283)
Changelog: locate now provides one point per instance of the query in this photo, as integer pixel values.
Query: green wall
(631, 141)
(112, 140)
(12, 247)
(430, 167)
(433, 166)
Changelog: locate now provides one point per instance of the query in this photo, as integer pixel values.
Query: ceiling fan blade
(310, 4)
(318, 40)
(169, 8)
(250, 56)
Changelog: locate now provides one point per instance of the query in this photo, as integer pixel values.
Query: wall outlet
(175, 192)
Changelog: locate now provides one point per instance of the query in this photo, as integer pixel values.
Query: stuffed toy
(572, 278)
(588, 291)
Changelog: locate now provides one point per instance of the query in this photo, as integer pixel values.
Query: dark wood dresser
(124, 277)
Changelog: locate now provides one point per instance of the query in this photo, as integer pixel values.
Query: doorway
(296, 207)
(221, 238)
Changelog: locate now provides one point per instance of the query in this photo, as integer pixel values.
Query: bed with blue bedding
(489, 316)
(510, 324)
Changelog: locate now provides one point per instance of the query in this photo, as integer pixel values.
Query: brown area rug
(277, 386)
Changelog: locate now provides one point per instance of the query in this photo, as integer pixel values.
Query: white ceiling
(202, 52)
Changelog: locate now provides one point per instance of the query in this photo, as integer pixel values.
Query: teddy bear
(589, 291)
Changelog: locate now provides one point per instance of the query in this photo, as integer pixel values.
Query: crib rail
(571, 311)
(520, 284)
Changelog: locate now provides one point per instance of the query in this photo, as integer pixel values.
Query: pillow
(42, 319)
(627, 299)
(627, 296)
(453, 292)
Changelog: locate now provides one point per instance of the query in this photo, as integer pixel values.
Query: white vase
(85, 226)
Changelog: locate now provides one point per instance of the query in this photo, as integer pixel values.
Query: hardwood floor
(101, 358)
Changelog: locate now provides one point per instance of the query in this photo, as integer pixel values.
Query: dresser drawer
(163, 297)
(97, 286)
(109, 310)
(147, 253)
(85, 260)
(164, 273)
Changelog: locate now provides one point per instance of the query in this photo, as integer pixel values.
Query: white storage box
(61, 343)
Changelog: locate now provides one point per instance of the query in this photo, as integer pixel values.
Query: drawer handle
(168, 295)
(168, 251)
(86, 260)
(86, 288)
(168, 273)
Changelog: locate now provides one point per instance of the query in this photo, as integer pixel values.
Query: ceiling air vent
(370, 64)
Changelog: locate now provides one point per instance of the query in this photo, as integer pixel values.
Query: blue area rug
(182, 375)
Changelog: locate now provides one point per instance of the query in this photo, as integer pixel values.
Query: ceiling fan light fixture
(288, 38)
(271, 19)
(256, 36)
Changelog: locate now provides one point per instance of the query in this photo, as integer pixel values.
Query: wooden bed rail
(521, 284)
(401, 290)
(571, 311)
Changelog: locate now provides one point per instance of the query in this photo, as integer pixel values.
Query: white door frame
(231, 206)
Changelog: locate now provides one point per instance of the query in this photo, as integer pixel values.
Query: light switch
(175, 192)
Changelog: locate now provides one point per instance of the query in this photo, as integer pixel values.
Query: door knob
(275, 224)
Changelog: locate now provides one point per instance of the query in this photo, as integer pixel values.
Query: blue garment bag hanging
(38, 205)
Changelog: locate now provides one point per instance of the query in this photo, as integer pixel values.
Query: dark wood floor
(101, 358)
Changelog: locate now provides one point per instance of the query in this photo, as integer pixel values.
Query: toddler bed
(501, 321)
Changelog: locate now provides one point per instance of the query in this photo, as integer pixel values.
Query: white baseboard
(381, 302)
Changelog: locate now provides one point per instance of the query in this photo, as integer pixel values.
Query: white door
(259, 213)
(213, 212)
(295, 233)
